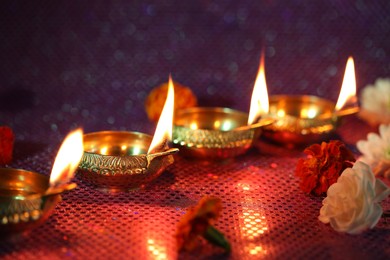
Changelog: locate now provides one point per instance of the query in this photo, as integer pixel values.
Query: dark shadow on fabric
(164, 181)
(298, 146)
(272, 149)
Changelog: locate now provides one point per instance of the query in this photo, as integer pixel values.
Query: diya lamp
(220, 133)
(28, 198)
(117, 161)
(305, 119)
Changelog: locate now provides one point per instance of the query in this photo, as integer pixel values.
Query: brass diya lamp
(119, 160)
(27, 198)
(219, 133)
(24, 201)
(115, 161)
(303, 119)
(214, 132)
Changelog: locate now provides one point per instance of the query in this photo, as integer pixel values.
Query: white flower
(376, 151)
(375, 102)
(352, 203)
(376, 98)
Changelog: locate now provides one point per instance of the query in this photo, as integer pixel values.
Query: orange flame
(259, 102)
(348, 89)
(163, 132)
(67, 159)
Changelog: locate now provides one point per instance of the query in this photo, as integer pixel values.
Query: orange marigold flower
(323, 165)
(154, 103)
(198, 222)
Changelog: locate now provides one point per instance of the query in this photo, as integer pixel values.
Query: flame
(348, 89)
(163, 131)
(68, 158)
(259, 102)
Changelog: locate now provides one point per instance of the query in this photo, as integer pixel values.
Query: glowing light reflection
(308, 113)
(253, 223)
(136, 150)
(226, 126)
(156, 250)
(281, 113)
(103, 150)
(255, 249)
(194, 126)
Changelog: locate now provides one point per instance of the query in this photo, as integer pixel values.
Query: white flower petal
(376, 150)
(351, 204)
(373, 138)
(381, 191)
(384, 131)
(375, 216)
(375, 102)
(323, 215)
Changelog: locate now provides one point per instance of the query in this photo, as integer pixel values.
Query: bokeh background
(67, 64)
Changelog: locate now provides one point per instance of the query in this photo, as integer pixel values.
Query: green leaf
(215, 237)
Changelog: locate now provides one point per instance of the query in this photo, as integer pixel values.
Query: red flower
(323, 165)
(6, 144)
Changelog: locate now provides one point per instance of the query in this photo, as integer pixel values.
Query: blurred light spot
(332, 70)
(111, 120)
(270, 51)
(54, 127)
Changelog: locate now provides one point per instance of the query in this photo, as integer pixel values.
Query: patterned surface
(67, 64)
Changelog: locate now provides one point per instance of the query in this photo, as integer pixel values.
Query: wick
(262, 122)
(340, 113)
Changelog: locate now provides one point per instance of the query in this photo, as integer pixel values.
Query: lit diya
(116, 160)
(303, 119)
(28, 198)
(219, 133)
